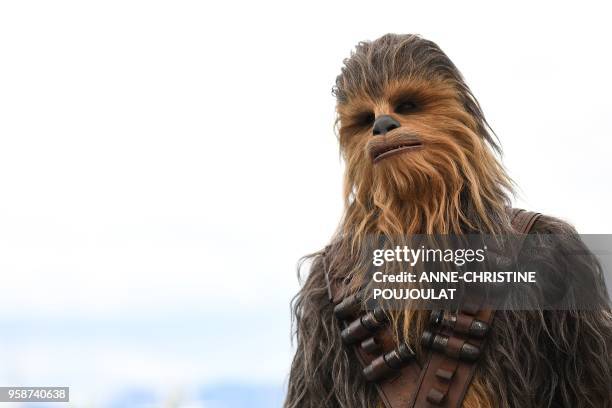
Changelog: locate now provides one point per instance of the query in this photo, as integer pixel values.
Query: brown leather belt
(455, 341)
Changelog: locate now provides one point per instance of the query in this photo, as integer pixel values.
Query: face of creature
(413, 139)
(419, 153)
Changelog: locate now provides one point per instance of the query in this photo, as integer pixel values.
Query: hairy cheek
(353, 148)
(357, 160)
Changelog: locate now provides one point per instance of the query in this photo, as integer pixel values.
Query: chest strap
(455, 341)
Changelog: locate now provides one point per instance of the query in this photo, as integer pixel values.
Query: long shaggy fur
(454, 185)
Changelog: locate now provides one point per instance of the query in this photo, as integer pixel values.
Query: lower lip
(393, 152)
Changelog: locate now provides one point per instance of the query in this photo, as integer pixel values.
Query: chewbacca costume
(421, 159)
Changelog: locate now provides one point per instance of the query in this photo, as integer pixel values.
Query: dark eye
(364, 119)
(405, 107)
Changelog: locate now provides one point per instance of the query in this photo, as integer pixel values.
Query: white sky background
(171, 161)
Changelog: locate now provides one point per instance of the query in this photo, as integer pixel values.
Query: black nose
(384, 124)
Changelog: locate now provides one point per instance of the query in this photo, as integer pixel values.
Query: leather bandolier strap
(455, 341)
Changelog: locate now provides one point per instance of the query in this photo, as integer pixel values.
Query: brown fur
(453, 184)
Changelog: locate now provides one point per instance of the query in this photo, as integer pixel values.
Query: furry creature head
(420, 156)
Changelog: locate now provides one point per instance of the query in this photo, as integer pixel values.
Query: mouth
(382, 149)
